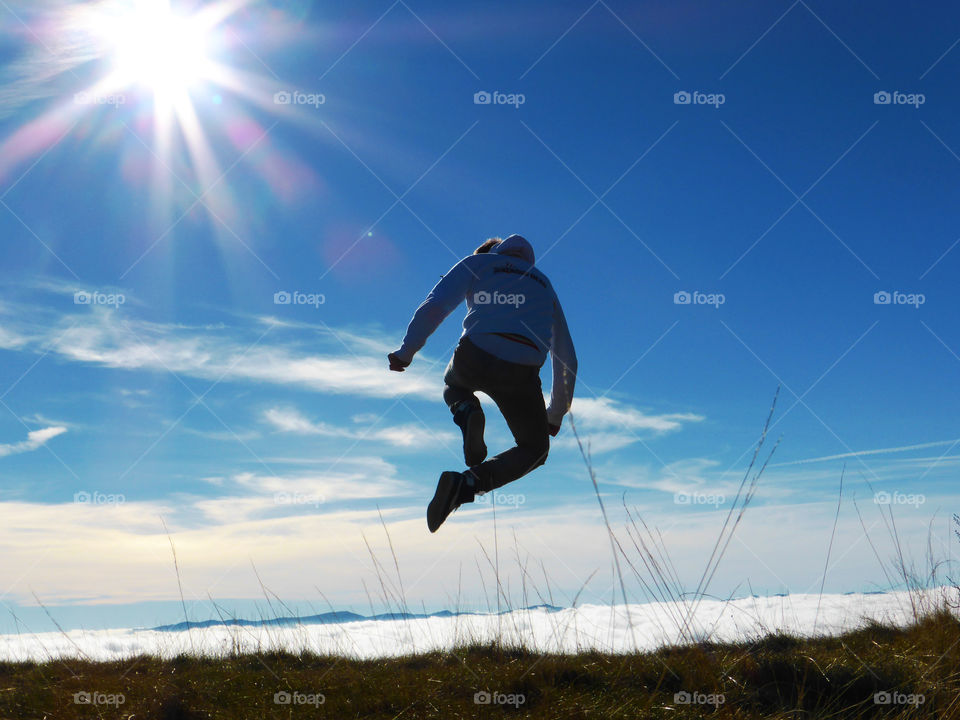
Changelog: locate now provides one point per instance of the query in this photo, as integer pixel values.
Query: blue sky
(268, 434)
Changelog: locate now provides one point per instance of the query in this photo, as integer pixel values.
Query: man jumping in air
(513, 319)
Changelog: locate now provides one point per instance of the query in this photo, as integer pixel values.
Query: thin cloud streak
(861, 453)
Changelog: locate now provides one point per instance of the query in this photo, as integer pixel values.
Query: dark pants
(516, 391)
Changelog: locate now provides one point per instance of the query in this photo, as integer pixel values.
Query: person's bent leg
(460, 381)
(523, 408)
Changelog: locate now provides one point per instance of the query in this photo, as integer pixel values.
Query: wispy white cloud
(369, 339)
(608, 413)
(35, 439)
(374, 479)
(41, 419)
(609, 425)
(248, 496)
(10, 340)
(411, 435)
(596, 442)
(686, 475)
(291, 421)
(112, 339)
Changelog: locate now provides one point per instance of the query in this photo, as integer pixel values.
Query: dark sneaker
(446, 499)
(469, 416)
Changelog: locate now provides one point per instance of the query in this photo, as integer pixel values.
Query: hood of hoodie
(515, 246)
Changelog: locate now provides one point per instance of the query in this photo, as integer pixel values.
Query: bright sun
(155, 48)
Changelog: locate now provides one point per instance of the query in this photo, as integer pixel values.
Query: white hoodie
(512, 312)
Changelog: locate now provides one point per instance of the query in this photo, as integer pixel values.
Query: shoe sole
(474, 448)
(440, 507)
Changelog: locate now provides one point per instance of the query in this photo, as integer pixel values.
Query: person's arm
(442, 300)
(564, 370)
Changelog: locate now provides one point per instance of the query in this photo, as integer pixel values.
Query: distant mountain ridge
(328, 618)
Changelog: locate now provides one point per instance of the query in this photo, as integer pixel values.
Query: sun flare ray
(184, 86)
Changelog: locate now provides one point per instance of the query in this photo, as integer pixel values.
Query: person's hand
(554, 429)
(396, 364)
